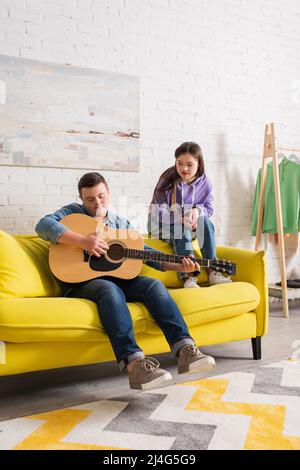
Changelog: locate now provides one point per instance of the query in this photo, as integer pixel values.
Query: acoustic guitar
(123, 259)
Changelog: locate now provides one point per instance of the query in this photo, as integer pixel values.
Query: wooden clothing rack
(270, 151)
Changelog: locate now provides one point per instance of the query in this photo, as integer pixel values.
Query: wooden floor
(27, 394)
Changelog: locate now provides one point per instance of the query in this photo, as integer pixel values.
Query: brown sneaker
(146, 374)
(192, 360)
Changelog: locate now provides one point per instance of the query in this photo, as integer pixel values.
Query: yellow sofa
(40, 329)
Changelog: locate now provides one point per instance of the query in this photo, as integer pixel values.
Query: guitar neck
(161, 257)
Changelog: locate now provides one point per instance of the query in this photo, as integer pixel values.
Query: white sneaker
(191, 282)
(218, 278)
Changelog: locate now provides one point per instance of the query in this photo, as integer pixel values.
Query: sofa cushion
(56, 319)
(210, 304)
(67, 319)
(24, 268)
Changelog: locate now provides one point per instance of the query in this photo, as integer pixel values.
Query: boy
(112, 294)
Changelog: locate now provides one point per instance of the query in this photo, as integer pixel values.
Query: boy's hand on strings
(93, 244)
(187, 265)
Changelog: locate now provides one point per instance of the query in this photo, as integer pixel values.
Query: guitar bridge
(86, 256)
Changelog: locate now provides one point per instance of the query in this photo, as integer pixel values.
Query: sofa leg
(256, 347)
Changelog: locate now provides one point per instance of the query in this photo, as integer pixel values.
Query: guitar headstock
(222, 266)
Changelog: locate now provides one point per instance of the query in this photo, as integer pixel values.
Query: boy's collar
(109, 214)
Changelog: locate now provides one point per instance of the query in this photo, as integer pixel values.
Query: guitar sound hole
(115, 252)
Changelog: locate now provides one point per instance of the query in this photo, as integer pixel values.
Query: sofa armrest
(251, 267)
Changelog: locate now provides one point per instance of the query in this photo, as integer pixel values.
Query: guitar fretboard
(160, 257)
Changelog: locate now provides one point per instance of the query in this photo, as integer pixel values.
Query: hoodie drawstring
(193, 194)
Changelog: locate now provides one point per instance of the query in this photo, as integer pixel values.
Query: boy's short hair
(89, 180)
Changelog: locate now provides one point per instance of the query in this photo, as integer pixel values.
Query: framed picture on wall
(68, 117)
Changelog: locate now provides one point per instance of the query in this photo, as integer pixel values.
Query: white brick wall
(213, 71)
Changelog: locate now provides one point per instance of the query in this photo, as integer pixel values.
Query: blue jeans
(180, 237)
(111, 296)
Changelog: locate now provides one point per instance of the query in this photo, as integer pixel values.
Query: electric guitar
(123, 259)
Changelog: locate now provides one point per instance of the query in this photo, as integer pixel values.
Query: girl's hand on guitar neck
(93, 244)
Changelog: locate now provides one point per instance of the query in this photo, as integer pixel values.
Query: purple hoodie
(196, 194)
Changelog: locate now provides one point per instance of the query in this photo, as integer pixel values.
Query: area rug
(258, 408)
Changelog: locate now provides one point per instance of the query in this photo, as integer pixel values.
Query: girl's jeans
(180, 237)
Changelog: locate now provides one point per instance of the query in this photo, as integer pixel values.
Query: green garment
(289, 179)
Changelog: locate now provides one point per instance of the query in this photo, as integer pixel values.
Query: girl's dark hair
(170, 177)
(89, 180)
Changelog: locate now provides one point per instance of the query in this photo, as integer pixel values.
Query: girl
(181, 208)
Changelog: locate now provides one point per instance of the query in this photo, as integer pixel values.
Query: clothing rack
(270, 151)
(290, 149)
